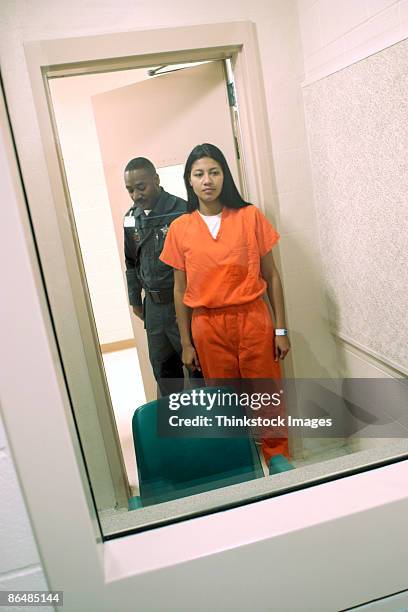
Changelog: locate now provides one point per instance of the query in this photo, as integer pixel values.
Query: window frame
(261, 548)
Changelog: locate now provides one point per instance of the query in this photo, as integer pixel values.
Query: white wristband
(281, 332)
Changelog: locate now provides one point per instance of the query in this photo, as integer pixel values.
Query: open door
(161, 118)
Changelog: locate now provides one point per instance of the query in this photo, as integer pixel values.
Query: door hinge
(231, 94)
(237, 147)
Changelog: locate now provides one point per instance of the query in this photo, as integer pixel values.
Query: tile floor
(127, 393)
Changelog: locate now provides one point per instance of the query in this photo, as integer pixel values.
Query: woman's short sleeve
(266, 234)
(172, 254)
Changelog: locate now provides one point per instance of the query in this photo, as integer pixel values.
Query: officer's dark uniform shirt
(144, 240)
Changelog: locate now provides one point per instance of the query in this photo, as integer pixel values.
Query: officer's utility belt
(162, 296)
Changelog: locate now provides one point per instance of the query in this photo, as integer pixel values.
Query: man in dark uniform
(145, 226)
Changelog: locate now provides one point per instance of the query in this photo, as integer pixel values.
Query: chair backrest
(173, 467)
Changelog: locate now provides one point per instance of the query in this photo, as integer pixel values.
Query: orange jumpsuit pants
(238, 342)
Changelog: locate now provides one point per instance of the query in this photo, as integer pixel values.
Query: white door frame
(182, 136)
(327, 546)
(51, 211)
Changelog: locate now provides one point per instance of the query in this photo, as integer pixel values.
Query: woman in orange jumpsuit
(221, 252)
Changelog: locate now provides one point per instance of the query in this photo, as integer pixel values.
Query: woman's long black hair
(229, 196)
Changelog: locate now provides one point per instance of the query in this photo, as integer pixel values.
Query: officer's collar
(164, 205)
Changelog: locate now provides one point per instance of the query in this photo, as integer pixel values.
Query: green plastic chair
(278, 464)
(170, 468)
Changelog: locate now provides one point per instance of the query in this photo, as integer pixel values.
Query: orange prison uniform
(231, 324)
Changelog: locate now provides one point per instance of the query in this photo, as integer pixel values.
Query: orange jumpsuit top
(221, 271)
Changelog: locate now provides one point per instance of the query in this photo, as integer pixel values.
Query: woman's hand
(190, 359)
(282, 347)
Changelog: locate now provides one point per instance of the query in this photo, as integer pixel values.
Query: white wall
(20, 565)
(335, 35)
(313, 351)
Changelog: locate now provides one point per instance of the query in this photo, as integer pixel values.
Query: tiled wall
(20, 566)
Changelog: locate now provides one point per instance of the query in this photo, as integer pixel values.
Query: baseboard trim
(120, 345)
(388, 366)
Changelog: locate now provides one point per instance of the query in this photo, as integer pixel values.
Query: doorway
(101, 121)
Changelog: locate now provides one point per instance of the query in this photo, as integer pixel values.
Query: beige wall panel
(71, 100)
(358, 131)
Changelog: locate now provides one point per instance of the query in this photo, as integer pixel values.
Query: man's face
(143, 187)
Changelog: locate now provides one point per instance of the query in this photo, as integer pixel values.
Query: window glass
(265, 402)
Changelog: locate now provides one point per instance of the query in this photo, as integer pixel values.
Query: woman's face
(206, 179)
